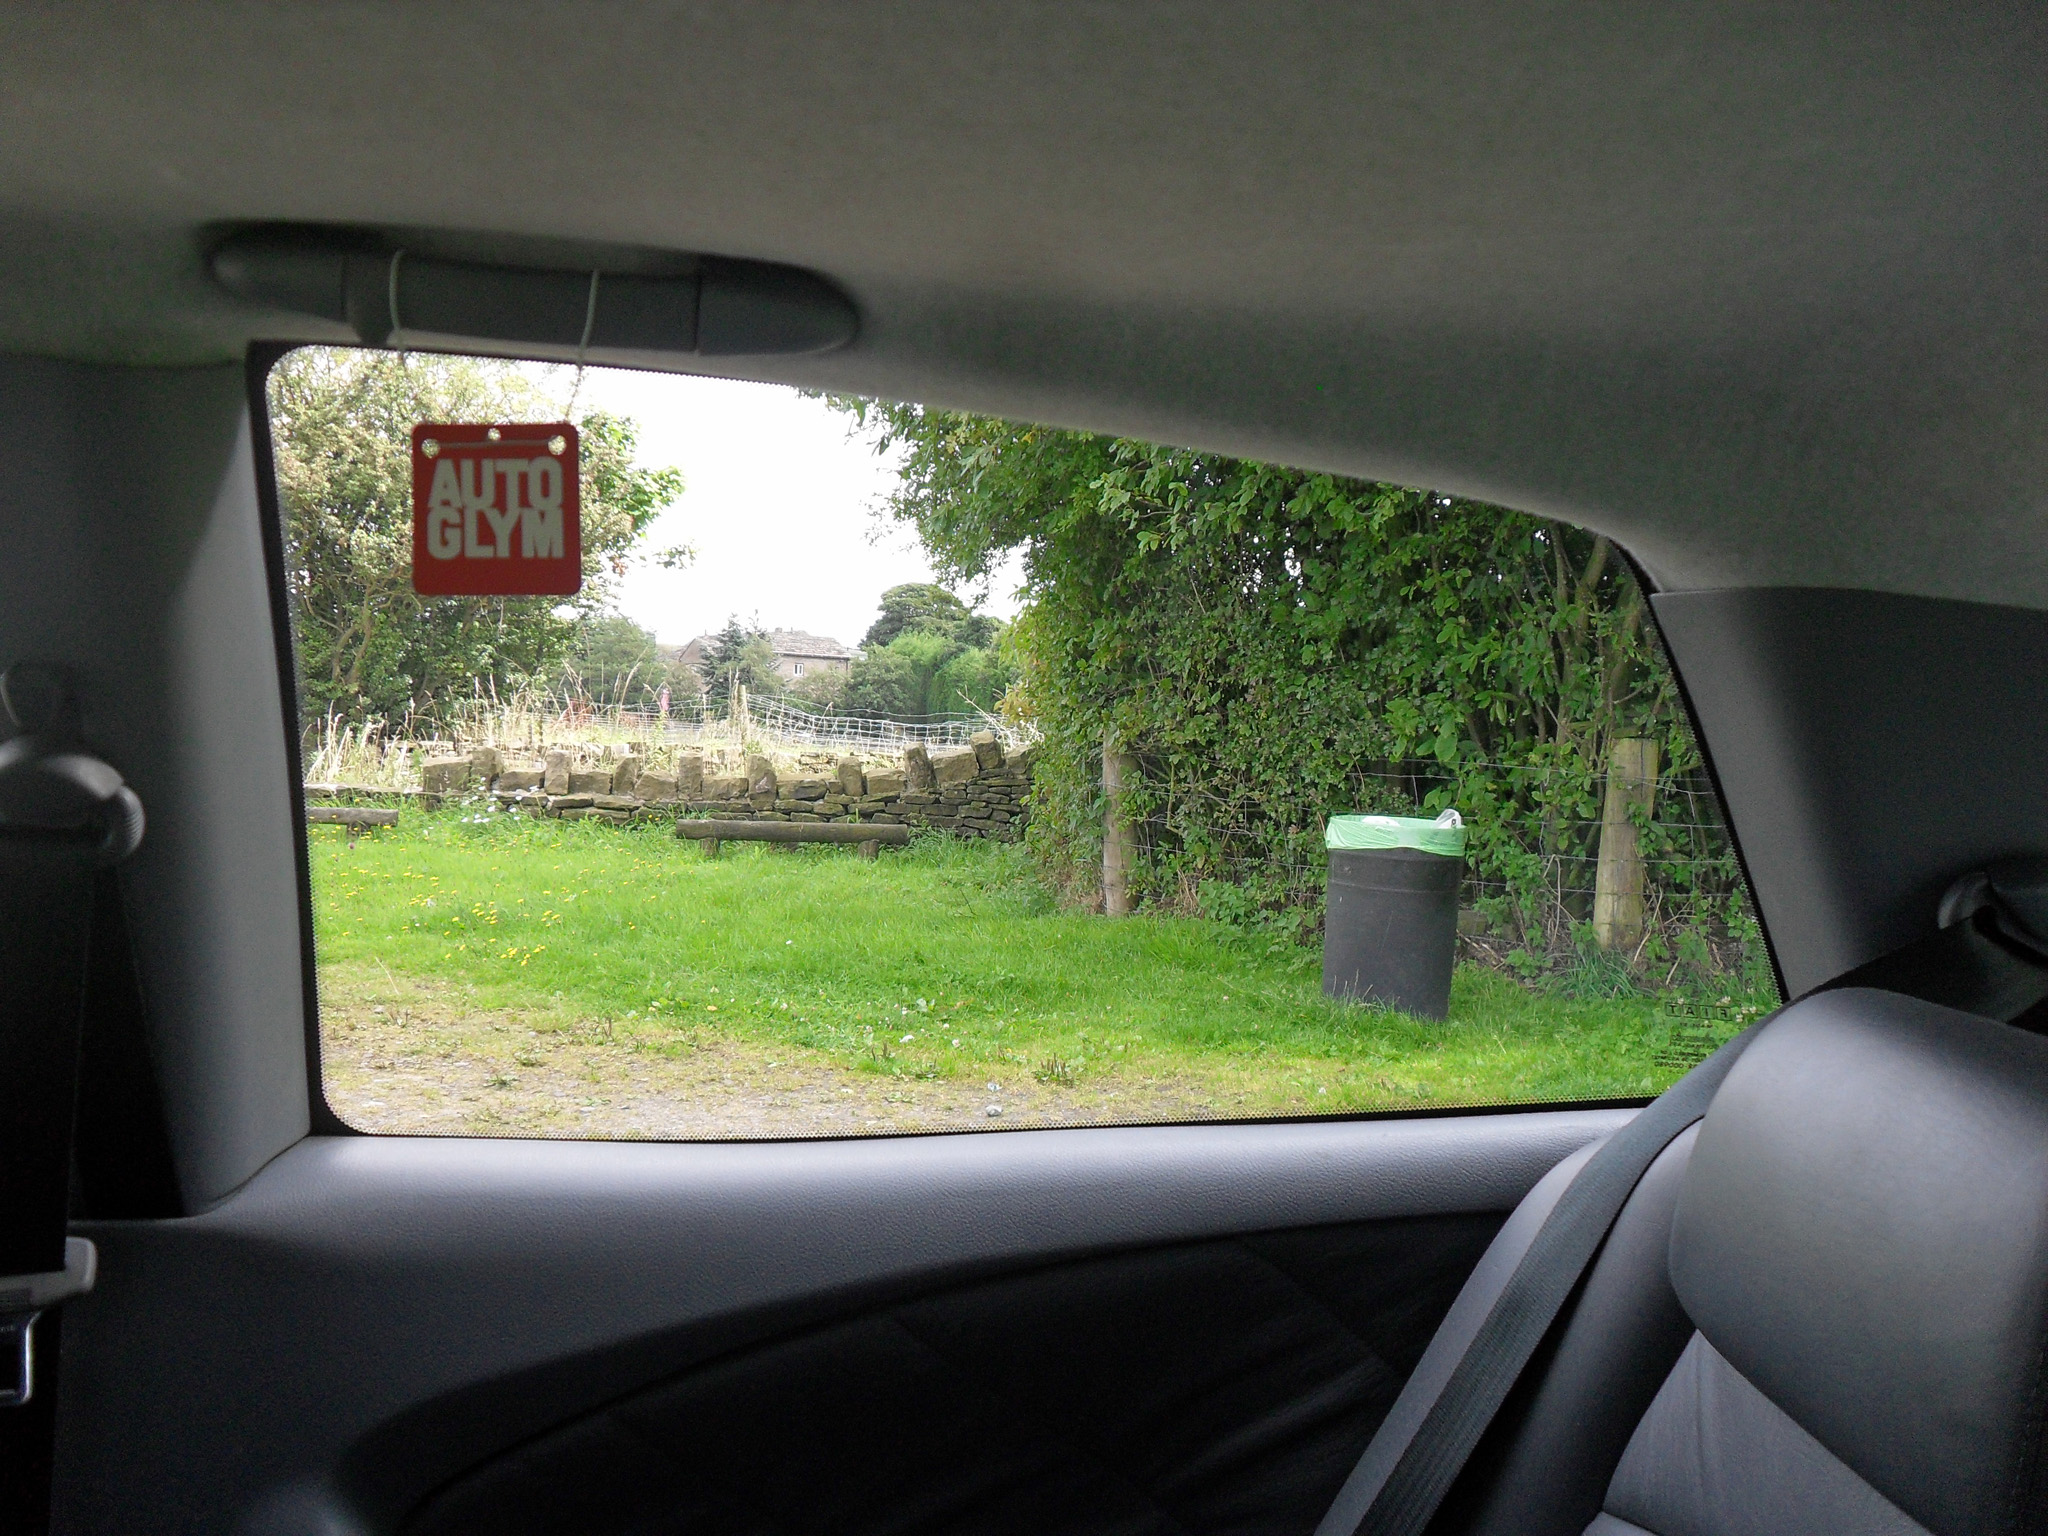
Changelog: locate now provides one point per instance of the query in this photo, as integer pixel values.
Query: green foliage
(884, 682)
(921, 606)
(925, 672)
(974, 679)
(369, 646)
(614, 662)
(1276, 646)
(739, 655)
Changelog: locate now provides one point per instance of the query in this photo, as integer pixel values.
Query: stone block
(852, 782)
(835, 804)
(918, 797)
(577, 813)
(760, 777)
(954, 766)
(917, 768)
(487, 763)
(1023, 760)
(726, 788)
(445, 775)
(517, 780)
(655, 787)
(560, 803)
(770, 816)
(807, 789)
(590, 781)
(885, 783)
(626, 803)
(627, 774)
(555, 776)
(885, 820)
(804, 816)
(988, 752)
(689, 777)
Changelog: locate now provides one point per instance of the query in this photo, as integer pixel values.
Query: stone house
(797, 654)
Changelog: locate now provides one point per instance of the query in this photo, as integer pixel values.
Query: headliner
(1759, 289)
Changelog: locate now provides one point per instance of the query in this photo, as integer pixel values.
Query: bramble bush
(1275, 646)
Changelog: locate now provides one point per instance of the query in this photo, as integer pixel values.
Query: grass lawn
(579, 979)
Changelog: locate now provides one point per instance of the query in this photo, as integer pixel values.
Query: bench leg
(710, 847)
(870, 848)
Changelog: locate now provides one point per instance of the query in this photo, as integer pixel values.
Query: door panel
(371, 1320)
(1221, 1386)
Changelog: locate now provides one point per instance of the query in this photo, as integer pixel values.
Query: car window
(893, 769)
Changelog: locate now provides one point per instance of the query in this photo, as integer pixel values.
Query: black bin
(1390, 926)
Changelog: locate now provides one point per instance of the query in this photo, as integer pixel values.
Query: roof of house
(784, 642)
(796, 642)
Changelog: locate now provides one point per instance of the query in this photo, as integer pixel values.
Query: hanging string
(589, 320)
(397, 330)
(397, 336)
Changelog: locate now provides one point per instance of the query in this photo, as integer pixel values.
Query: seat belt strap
(1395, 1488)
(64, 816)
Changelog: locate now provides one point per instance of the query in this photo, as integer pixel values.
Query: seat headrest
(1863, 1233)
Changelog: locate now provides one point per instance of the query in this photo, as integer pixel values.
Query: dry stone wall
(971, 791)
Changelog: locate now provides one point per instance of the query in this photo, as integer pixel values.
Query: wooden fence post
(1618, 887)
(1119, 848)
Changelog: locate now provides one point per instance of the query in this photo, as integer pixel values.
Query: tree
(932, 609)
(886, 683)
(1276, 645)
(614, 662)
(739, 654)
(369, 646)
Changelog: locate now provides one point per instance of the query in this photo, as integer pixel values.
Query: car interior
(1760, 291)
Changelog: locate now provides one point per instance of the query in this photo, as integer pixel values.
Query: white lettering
(478, 489)
(479, 493)
(544, 483)
(444, 532)
(444, 513)
(540, 533)
(502, 523)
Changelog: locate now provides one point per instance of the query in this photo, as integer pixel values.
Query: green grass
(941, 963)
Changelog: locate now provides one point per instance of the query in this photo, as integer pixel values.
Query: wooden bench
(354, 817)
(869, 835)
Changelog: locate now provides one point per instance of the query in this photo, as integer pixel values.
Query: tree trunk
(1618, 888)
(1119, 847)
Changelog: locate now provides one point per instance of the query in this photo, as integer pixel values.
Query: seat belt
(1396, 1487)
(1988, 957)
(64, 816)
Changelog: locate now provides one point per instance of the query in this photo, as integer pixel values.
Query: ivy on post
(1119, 847)
(1618, 886)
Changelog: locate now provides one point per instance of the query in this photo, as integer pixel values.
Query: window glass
(899, 770)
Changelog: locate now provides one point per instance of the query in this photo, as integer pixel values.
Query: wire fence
(1531, 883)
(374, 753)
(779, 721)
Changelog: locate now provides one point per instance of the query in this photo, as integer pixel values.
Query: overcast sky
(778, 502)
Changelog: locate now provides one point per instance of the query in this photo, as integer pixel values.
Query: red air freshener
(496, 511)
